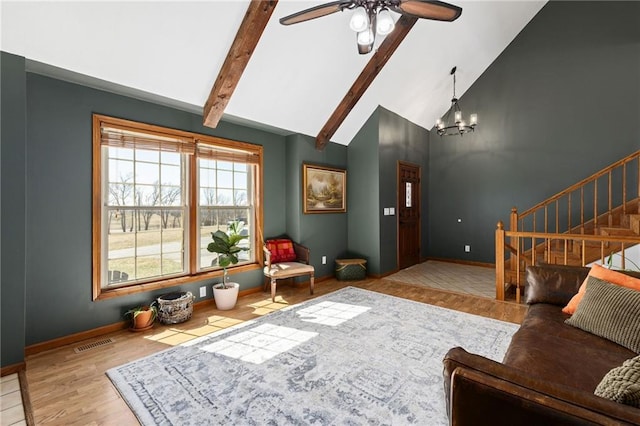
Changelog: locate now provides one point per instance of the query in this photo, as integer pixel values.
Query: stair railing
(583, 208)
(518, 239)
(615, 186)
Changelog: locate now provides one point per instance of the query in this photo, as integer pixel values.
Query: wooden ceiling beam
(364, 80)
(251, 29)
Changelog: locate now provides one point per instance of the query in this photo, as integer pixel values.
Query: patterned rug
(351, 357)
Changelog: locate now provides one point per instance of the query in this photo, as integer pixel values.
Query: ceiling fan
(372, 17)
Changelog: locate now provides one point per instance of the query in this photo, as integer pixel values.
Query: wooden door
(408, 214)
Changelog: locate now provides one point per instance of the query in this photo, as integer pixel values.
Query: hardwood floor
(72, 389)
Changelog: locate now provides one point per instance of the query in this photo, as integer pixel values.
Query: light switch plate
(203, 291)
(386, 211)
(392, 211)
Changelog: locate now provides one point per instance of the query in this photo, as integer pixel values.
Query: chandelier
(371, 18)
(457, 126)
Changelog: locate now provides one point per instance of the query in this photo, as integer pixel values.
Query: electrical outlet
(203, 291)
(324, 260)
(467, 248)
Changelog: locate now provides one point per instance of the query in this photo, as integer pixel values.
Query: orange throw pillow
(604, 274)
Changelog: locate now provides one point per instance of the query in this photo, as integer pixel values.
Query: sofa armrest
(302, 253)
(479, 388)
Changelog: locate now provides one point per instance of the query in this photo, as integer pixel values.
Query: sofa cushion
(555, 284)
(622, 384)
(623, 278)
(281, 250)
(553, 351)
(610, 311)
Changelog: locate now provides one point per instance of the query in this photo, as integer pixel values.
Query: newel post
(500, 235)
(513, 220)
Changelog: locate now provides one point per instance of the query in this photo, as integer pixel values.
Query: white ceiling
(297, 75)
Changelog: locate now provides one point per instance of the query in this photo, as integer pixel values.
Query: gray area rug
(352, 357)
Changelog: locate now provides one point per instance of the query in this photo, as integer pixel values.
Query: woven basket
(174, 308)
(351, 269)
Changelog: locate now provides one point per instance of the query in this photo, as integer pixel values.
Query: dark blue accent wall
(560, 103)
(13, 97)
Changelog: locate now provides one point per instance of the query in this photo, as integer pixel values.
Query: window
(159, 193)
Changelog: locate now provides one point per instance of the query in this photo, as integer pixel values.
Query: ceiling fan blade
(316, 12)
(429, 9)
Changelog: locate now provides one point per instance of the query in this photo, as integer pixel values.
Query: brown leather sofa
(549, 372)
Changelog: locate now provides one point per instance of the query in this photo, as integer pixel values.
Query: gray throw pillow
(610, 311)
(622, 384)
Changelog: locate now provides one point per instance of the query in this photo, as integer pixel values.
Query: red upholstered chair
(284, 258)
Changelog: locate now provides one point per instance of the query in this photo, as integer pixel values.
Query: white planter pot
(226, 298)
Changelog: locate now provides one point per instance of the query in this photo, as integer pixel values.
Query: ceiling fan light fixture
(366, 37)
(359, 20)
(373, 17)
(384, 22)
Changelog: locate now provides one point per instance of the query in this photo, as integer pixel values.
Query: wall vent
(93, 345)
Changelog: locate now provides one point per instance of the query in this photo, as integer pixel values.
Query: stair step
(618, 232)
(633, 221)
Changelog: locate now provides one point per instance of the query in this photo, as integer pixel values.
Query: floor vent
(93, 345)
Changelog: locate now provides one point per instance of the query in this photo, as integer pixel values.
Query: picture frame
(324, 189)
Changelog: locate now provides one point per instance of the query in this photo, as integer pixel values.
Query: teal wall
(59, 201)
(560, 103)
(374, 152)
(13, 97)
(400, 140)
(324, 234)
(363, 191)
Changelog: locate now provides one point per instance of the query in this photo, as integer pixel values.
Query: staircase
(585, 223)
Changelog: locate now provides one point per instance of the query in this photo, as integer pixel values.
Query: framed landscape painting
(324, 189)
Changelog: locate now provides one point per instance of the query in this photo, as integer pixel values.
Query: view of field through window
(147, 210)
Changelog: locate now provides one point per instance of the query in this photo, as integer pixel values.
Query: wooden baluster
(546, 220)
(595, 204)
(583, 254)
(518, 270)
(513, 226)
(602, 252)
(638, 204)
(569, 213)
(582, 209)
(610, 214)
(623, 263)
(533, 251)
(557, 225)
(500, 235)
(566, 251)
(624, 188)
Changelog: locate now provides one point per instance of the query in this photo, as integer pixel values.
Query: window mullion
(193, 247)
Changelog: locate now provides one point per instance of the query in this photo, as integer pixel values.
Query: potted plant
(227, 246)
(142, 317)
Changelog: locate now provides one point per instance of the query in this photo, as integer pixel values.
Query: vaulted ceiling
(173, 51)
